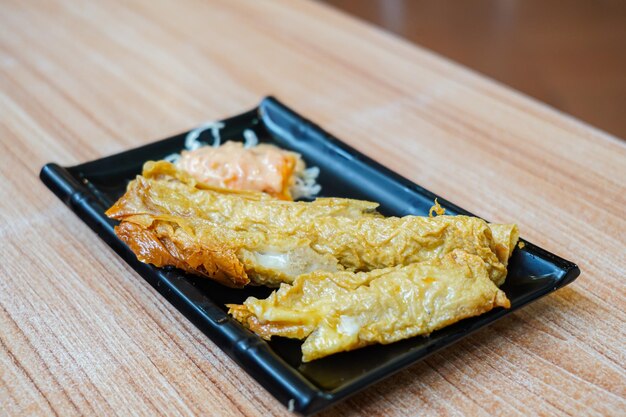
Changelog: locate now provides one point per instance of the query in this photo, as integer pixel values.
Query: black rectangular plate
(89, 189)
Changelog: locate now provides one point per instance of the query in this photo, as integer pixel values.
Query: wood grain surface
(81, 333)
(571, 57)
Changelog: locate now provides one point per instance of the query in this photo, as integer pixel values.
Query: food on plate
(340, 311)
(347, 276)
(236, 238)
(267, 168)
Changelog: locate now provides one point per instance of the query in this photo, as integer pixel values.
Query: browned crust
(161, 249)
(269, 329)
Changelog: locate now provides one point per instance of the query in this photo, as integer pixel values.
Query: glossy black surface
(89, 189)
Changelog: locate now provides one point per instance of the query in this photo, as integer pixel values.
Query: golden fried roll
(270, 257)
(342, 311)
(275, 241)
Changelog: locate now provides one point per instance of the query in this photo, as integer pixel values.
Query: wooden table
(81, 333)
